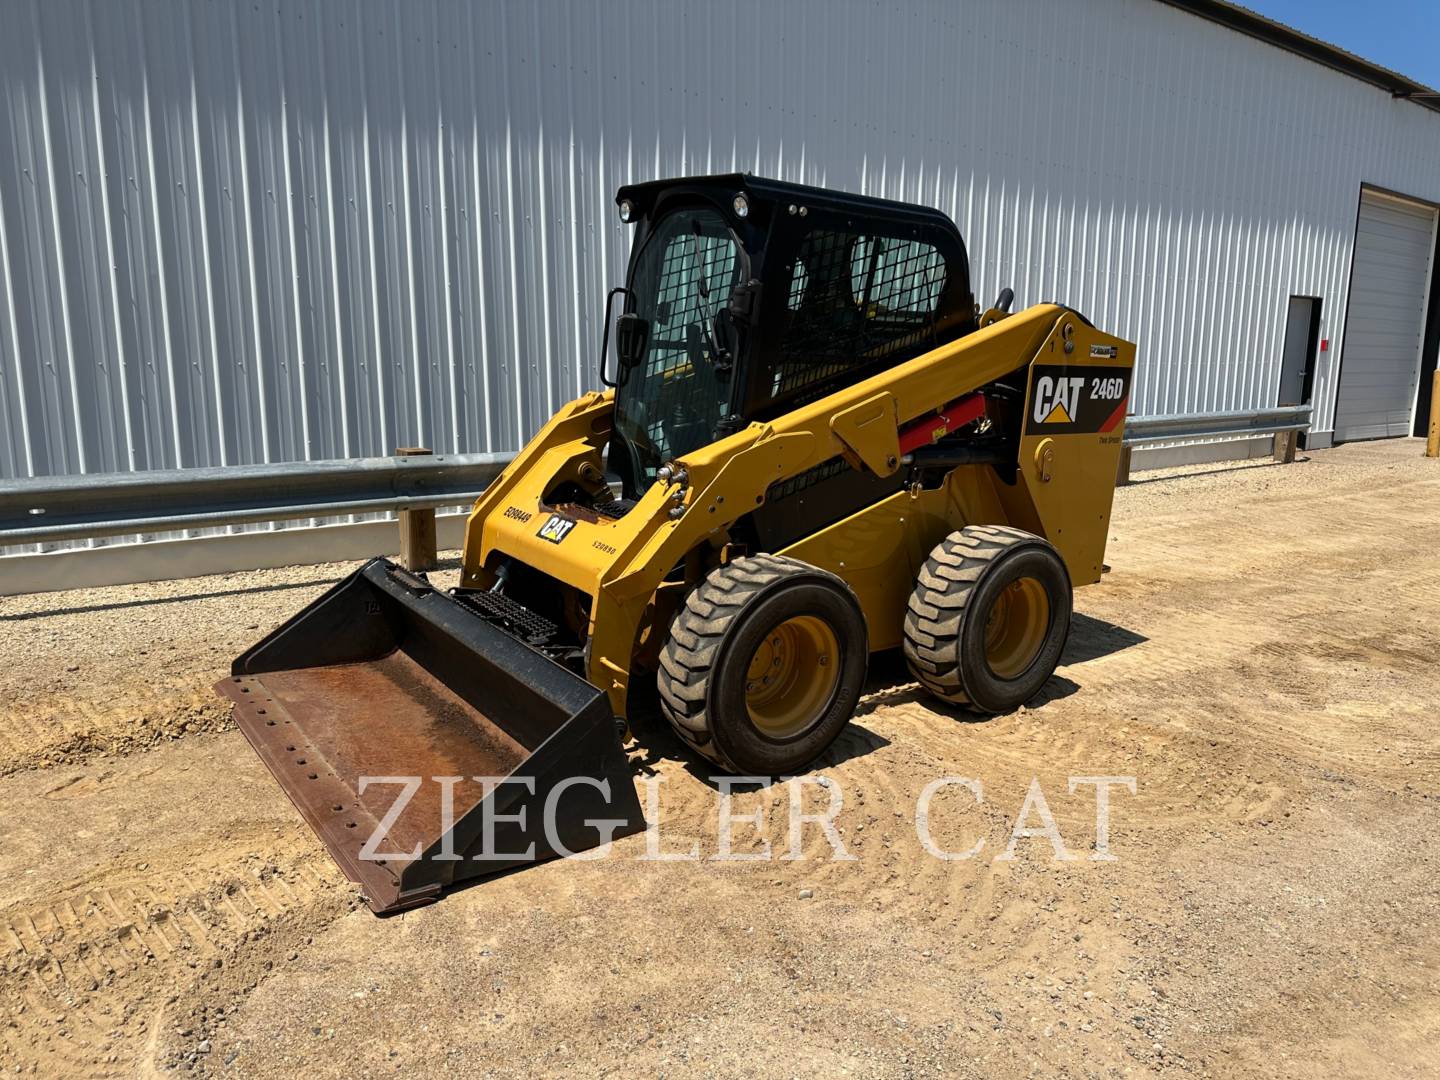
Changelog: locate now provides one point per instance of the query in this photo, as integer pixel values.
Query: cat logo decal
(556, 528)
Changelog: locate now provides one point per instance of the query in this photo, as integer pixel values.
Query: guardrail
(59, 508)
(1284, 423)
(1140, 430)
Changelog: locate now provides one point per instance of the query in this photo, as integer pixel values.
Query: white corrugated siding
(242, 233)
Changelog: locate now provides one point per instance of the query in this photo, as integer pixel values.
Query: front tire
(764, 665)
(988, 618)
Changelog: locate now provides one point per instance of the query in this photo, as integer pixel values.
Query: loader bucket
(383, 707)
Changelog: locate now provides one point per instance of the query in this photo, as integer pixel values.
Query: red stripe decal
(1115, 417)
(930, 429)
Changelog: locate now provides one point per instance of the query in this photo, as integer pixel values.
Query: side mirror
(744, 306)
(632, 338)
(724, 335)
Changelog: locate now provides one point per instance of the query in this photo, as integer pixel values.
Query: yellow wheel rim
(1015, 627)
(792, 676)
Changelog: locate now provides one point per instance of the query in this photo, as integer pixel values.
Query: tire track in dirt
(1260, 660)
(124, 669)
(92, 974)
(68, 728)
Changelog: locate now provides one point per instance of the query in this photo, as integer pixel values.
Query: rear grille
(613, 508)
(510, 615)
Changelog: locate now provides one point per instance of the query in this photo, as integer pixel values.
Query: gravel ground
(1261, 659)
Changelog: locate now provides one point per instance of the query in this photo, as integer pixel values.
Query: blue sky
(1403, 35)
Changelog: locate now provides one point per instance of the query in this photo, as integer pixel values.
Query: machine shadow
(1092, 638)
(656, 741)
(888, 684)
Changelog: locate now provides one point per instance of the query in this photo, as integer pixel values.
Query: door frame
(1430, 348)
(1429, 293)
(1312, 353)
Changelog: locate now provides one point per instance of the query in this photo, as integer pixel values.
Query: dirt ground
(1261, 659)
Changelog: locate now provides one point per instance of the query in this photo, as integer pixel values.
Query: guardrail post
(417, 527)
(1285, 444)
(1122, 474)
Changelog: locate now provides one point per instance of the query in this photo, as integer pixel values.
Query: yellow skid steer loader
(813, 446)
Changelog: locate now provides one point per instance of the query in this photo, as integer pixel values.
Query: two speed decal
(555, 529)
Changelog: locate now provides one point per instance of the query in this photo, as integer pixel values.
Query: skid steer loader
(813, 445)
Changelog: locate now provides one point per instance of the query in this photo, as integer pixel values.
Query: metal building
(241, 233)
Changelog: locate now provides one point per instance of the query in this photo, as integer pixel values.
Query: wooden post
(1432, 444)
(1285, 444)
(417, 527)
(1122, 474)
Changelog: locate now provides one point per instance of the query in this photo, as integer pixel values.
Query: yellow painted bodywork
(879, 551)
(621, 565)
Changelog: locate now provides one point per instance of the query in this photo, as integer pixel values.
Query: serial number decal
(514, 513)
(556, 528)
(1103, 352)
(1076, 400)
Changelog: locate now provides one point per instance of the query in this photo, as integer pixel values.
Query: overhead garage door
(1394, 243)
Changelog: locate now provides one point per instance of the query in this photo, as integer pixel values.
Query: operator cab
(746, 297)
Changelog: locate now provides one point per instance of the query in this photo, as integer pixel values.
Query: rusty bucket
(426, 746)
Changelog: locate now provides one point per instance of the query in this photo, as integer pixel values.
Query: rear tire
(764, 664)
(988, 618)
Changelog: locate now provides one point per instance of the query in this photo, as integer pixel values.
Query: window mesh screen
(853, 300)
(670, 404)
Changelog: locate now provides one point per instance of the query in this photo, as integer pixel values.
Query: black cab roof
(644, 195)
